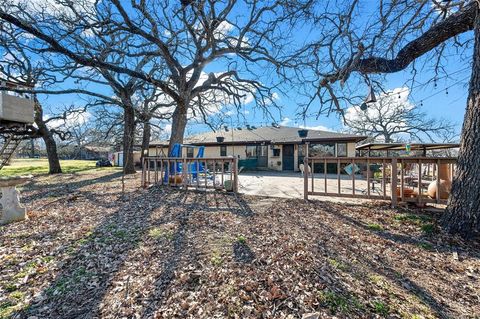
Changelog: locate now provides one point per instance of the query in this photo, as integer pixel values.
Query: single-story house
(117, 158)
(278, 148)
(89, 152)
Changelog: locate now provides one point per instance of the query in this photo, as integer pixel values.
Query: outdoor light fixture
(370, 99)
(371, 96)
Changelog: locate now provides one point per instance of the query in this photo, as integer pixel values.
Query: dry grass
(87, 251)
(34, 166)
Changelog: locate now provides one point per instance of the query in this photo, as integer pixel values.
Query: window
(189, 152)
(322, 150)
(276, 152)
(262, 150)
(341, 149)
(251, 151)
(223, 150)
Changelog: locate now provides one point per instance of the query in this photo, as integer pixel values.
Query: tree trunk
(147, 130)
(128, 139)
(179, 123)
(50, 144)
(463, 211)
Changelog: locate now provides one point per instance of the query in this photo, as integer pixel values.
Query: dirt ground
(89, 251)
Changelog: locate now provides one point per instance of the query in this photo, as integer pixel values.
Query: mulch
(90, 251)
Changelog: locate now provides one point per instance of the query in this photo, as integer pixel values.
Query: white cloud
(66, 13)
(317, 128)
(167, 129)
(249, 98)
(222, 30)
(57, 7)
(388, 105)
(285, 121)
(72, 119)
(395, 98)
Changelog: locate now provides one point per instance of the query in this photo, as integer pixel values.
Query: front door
(262, 157)
(288, 157)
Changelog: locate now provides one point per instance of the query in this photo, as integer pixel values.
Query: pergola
(386, 147)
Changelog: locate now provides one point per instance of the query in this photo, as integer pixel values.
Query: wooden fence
(414, 179)
(218, 173)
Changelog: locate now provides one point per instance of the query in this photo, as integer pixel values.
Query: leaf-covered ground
(87, 251)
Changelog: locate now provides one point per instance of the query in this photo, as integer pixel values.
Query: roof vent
(275, 125)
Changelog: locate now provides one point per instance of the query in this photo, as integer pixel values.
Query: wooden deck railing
(219, 173)
(388, 178)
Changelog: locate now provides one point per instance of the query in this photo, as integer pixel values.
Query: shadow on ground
(85, 279)
(62, 188)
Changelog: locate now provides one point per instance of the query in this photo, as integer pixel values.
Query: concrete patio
(290, 185)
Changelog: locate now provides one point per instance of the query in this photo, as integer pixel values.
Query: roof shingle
(268, 134)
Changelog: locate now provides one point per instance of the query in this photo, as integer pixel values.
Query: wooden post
(235, 175)
(419, 181)
(206, 179)
(306, 168)
(437, 195)
(353, 176)
(169, 172)
(143, 173)
(305, 178)
(368, 177)
(162, 174)
(223, 172)
(214, 173)
(185, 173)
(325, 173)
(148, 171)
(338, 177)
(394, 183)
(156, 171)
(402, 185)
(384, 180)
(197, 163)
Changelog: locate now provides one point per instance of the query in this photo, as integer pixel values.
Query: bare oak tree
(237, 38)
(358, 45)
(393, 118)
(16, 66)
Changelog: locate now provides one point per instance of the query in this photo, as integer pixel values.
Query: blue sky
(433, 100)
